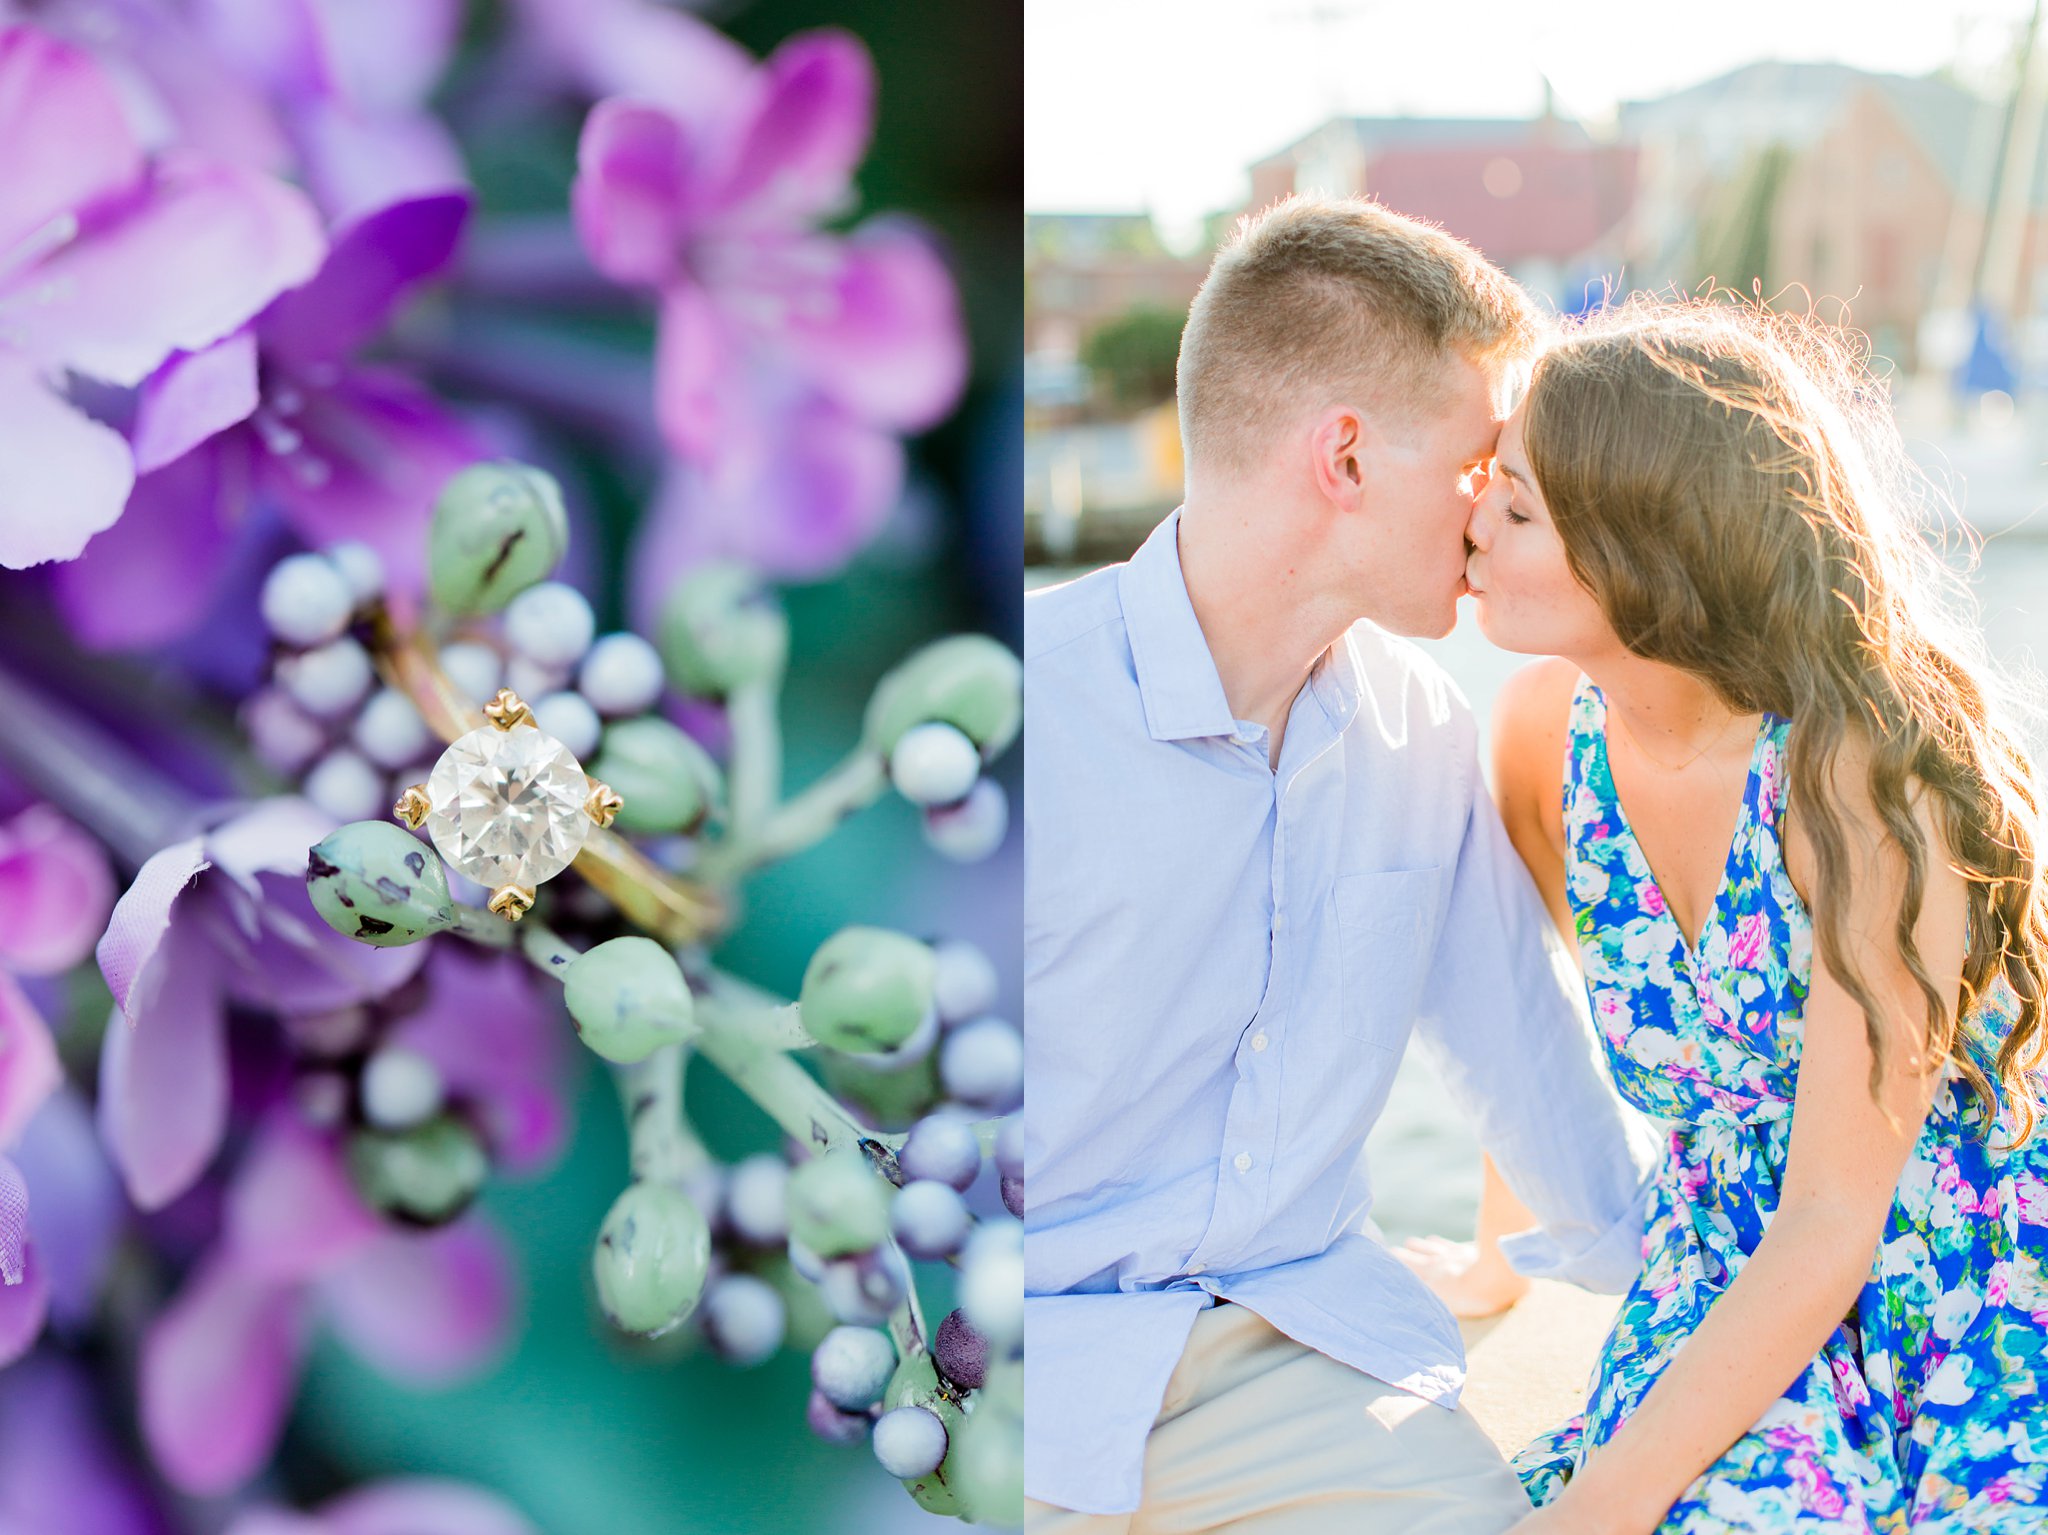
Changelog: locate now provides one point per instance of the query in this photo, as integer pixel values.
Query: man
(1259, 854)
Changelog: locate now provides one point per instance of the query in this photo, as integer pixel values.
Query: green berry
(984, 1465)
(651, 1258)
(498, 528)
(668, 781)
(838, 1204)
(722, 631)
(378, 884)
(916, 1384)
(867, 989)
(628, 998)
(425, 1175)
(968, 681)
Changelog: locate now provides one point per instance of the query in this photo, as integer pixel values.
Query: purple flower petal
(385, 56)
(499, 1044)
(798, 505)
(653, 53)
(276, 952)
(56, 888)
(163, 1101)
(176, 86)
(884, 335)
(276, 1521)
(809, 128)
(274, 43)
(696, 354)
(425, 1308)
(356, 163)
(60, 1472)
(154, 575)
(218, 1369)
(423, 1506)
(63, 476)
(292, 1213)
(13, 1223)
(141, 919)
(79, 1208)
(177, 269)
(296, 963)
(24, 1302)
(193, 396)
(375, 261)
(633, 190)
(376, 451)
(67, 146)
(29, 1069)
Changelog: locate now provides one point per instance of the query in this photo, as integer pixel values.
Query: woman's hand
(1472, 1281)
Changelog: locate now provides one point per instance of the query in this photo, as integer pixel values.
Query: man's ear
(1338, 441)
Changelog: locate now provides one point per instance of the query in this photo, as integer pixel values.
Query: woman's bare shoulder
(1530, 724)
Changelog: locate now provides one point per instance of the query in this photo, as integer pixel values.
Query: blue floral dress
(1924, 1410)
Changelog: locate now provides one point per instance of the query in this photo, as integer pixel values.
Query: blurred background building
(1909, 205)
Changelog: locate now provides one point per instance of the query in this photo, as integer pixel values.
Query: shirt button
(1197, 1268)
(1243, 1163)
(1258, 1041)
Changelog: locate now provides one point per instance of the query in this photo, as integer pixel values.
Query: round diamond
(505, 807)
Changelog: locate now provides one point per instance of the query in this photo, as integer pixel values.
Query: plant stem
(756, 775)
(678, 911)
(787, 1093)
(664, 1150)
(768, 1018)
(809, 818)
(83, 770)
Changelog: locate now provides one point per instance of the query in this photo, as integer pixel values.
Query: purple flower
(220, 1364)
(279, 414)
(55, 890)
(348, 81)
(298, 1243)
(61, 1472)
(333, 90)
(788, 359)
(408, 1506)
(110, 262)
(212, 920)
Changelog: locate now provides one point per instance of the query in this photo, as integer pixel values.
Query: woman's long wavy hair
(1730, 485)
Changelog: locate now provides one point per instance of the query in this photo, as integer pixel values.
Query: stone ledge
(1527, 1369)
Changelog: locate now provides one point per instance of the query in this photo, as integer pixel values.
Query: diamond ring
(508, 805)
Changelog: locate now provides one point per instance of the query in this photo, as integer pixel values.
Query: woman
(1770, 793)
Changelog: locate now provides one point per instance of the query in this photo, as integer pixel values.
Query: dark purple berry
(960, 1352)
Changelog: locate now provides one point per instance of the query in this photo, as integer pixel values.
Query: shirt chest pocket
(1384, 923)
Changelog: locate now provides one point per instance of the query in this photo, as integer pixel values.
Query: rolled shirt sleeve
(1504, 1021)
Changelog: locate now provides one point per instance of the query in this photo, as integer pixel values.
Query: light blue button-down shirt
(1223, 964)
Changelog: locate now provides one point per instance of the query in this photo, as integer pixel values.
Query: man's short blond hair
(1320, 301)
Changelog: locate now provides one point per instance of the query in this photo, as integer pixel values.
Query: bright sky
(1162, 104)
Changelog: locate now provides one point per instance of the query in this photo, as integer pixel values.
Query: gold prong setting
(512, 901)
(412, 806)
(604, 803)
(507, 710)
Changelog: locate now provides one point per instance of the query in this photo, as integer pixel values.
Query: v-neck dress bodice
(1924, 1410)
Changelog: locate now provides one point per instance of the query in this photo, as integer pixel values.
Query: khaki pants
(1261, 1435)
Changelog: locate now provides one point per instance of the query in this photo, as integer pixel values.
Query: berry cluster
(903, 1148)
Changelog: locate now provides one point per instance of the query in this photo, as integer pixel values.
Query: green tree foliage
(1131, 357)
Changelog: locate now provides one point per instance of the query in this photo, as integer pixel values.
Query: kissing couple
(1761, 785)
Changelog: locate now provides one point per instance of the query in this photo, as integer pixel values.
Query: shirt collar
(1177, 678)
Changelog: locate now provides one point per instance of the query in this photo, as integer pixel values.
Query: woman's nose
(1477, 529)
